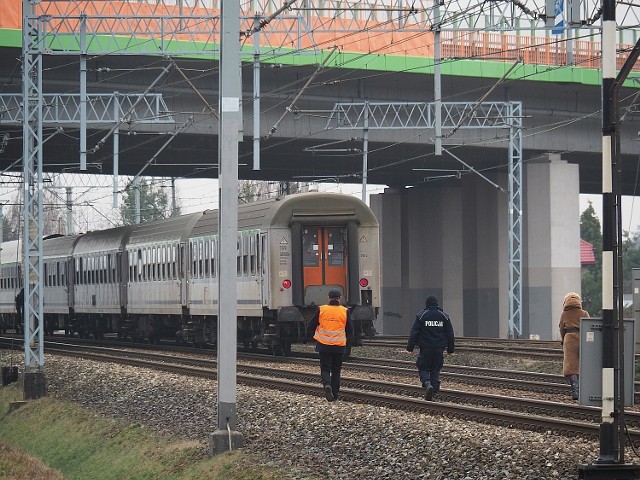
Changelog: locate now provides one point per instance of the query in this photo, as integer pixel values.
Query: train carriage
(318, 242)
(157, 289)
(159, 280)
(290, 253)
(99, 282)
(57, 267)
(10, 284)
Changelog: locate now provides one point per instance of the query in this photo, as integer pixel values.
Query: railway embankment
(307, 438)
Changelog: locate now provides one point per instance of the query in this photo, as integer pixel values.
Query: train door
(324, 260)
(263, 265)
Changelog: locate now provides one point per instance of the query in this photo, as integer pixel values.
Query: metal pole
(174, 207)
(609, 450)
(69, 212)
(365, 151)
(136, 183)
(256, 94)
(437, 78)
(116, 148)
(226, 437)
(83, 92)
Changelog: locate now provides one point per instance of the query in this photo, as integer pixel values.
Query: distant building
(587, 257)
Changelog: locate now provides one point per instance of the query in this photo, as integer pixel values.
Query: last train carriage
(159, 280)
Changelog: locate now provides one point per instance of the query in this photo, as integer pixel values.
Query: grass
(50, 439)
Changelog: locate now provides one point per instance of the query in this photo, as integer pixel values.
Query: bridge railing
(196, 22)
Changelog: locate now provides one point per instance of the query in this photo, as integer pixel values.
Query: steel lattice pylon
(33, 185)
(456, 115)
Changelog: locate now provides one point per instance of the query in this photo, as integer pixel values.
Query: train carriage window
(207, 259)
(46, 280)
(335, 247)
(238, 257)
(310, 247)
(154, 263)
(194, 258)
(172, 252)
(163, 262)
(200, 259)
(110, 268)
(245, 255)
(214, 257)
(63, 275)
(146, 261)
(140, 266)
(100, 276)
(254, 254)
(131, 267)
(181, 260)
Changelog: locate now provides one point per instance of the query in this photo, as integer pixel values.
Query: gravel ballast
(310, 438)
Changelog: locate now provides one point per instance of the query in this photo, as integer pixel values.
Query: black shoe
(428, 394)
(335, 398)
(328, 394)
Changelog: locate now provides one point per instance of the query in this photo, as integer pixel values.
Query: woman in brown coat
(569, 326)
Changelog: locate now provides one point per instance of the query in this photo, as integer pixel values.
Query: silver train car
(160, 280)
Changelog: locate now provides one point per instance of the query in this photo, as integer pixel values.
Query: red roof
(586, 253)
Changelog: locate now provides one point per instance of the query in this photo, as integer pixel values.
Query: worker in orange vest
(330, 328)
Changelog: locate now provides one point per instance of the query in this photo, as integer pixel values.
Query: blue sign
(559, 13)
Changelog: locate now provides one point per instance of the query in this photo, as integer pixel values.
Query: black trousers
(330, 367)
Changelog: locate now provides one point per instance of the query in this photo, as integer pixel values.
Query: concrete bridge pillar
(450, 239)
(552, 249)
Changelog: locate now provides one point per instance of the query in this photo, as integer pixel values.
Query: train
(159, 280)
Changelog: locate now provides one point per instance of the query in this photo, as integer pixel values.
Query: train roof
(322, 208)
(170, 229)
(61, 246)
(316, 207)
(102, 241)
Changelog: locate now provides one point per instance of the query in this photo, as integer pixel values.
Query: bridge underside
(558, 118)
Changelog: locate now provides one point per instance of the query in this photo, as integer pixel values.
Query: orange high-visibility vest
(332, 321)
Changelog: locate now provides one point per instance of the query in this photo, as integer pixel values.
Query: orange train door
(324, 260)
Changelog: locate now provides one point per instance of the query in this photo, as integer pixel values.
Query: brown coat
(570, 319)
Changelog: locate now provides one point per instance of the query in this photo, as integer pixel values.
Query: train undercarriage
(275, 332)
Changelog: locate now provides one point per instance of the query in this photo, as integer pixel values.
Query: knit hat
(432, 301)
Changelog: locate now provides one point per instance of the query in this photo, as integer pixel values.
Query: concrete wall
(450, 239)
(552, 213)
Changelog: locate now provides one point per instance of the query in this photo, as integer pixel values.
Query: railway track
(512, 412)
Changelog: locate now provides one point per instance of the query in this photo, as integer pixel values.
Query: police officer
(330, 327)
(433, 333)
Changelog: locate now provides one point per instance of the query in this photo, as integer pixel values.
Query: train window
(335, 247)
(238, 257)
(254, 253)
(200, 259)
(172, 252)
(214, 258)
(194, 258)
(154, 263)
(140, 266)
(181, 260)
(146, 264)
(63, 275)
(245, 255)
(310, 247)
(46, 280)
(207, 258)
